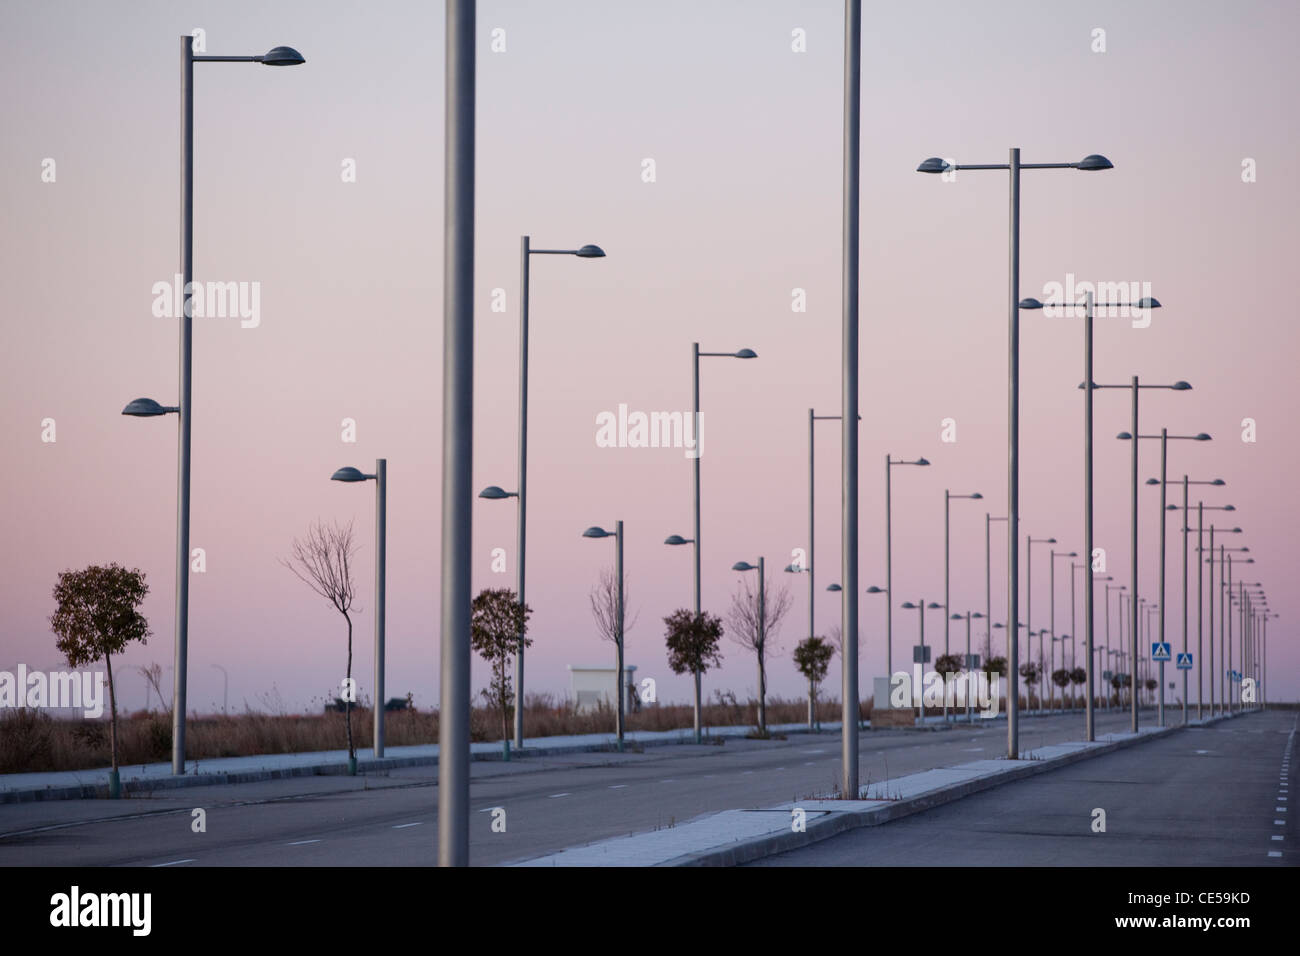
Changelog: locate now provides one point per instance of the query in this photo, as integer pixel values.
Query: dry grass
(34, 742)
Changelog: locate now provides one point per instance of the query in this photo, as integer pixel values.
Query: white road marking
(973, 750)
(618, 786)
(403, 826)
(1283, 799)
(302, 842)
(554, 795)
(1280, 809)
(674, 781)
(172, 863)
(1274, 852)
(1279, 823)
(814, 751)
(1276, 837)
(744, 772)
(1202, 751)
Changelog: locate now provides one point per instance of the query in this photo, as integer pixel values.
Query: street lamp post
(1135, 387)
(694, 541)
(1029, 605)
(988, 584)
(1088, 385)
(380, 478)
(457, 435)
(970, 662)
(1164, 437)
(889, 555)
(525, 255)
(277, 56)
(762, 634)
(617, 534)
(1052, 612)
(948, 497)
(813, 418)
(1109, 588)
(1186, 482)
(936, 165)
(921, 607)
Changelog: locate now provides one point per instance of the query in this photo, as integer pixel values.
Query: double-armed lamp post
(148, 408)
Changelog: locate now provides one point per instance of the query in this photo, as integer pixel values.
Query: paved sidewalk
(739, 836)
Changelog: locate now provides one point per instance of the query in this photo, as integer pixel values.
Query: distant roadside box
(592, 686)
(885, 715)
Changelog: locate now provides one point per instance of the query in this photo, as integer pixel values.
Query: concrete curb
(837, 822)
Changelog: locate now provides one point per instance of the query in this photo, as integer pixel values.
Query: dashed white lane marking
(403, 826)
(1280, 809)
(1279, 823)
(618, 786)
(973, 750)
(814, 751)
(554, 795)
(1276, 837)
(1274, 852)
(301, 842)
(1283, 799)
(172, 863)
(674, 781)
(1202, 751)
(744, 772)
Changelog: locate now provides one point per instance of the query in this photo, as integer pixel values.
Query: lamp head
(933, 165)
(282, 56)
(348, 474)
(1094, 162)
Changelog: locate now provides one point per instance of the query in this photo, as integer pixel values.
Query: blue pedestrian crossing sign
(1184, 662)
(1160, 651)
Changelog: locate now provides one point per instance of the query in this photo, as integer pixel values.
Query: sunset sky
(745, 135)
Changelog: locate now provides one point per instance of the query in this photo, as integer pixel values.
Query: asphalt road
(1205, 796)
(550, 803)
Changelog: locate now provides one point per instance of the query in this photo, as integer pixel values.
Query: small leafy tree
(498, 626)
(323, 561)
(693, 644)
(947, 665)
(995, 665)
(1030, 672)
(96, 616)
(748, 630)
(1078, 677)
(812, 657)
(1061, 678)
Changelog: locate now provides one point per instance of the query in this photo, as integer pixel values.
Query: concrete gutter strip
(721, 839)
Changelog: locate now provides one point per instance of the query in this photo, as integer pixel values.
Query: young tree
(1078, 677)
(323, 561)
(1030, 671)
(1061, 678)
(604, 610)
(743, 618)
(693, 643)
(498, 626)
(813, 659)
(96, 616)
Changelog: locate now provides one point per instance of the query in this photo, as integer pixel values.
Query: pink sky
(746, 137)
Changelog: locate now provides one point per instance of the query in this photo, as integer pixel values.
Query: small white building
(591, 684)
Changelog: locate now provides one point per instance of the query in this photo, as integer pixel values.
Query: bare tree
(323, 561)
(604, 609)
(153, 677)
(604, 605)
(743, 624)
